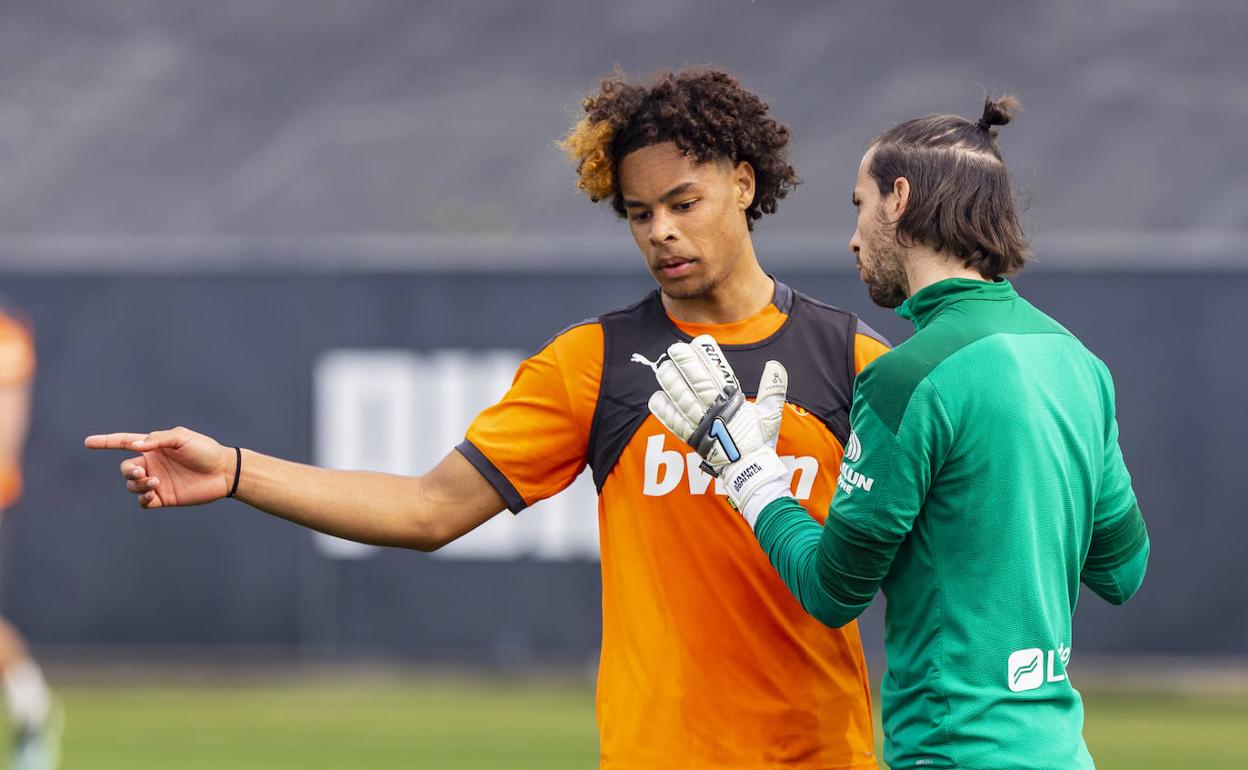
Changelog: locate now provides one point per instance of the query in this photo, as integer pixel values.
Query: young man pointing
(694, 618)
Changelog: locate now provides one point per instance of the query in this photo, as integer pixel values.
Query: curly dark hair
(705, 112)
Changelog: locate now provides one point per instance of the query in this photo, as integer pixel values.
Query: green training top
(981, 483)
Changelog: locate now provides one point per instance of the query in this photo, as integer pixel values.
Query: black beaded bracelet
(238, 469)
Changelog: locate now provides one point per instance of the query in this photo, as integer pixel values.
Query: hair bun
(999, 111)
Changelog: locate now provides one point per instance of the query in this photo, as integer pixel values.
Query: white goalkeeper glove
(701, 402)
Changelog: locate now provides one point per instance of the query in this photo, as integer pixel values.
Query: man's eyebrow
(679, 189)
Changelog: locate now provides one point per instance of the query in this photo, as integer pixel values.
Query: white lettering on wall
(397, 411)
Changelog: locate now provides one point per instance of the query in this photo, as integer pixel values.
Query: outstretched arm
(181, 467)
(700, 403)
(833, 570)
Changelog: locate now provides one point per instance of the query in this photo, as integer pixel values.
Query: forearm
(835, 570)
(792, 542)
(375, 508)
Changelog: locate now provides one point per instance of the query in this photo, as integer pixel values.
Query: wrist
(767, 493)
(755, 480)
(233, 470)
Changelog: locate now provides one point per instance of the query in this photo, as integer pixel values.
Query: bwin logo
(666, 468)
(853, 449)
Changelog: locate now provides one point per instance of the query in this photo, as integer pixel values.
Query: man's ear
(899, 200)
(743, 183)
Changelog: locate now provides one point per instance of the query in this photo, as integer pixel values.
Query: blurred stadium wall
(329, 231)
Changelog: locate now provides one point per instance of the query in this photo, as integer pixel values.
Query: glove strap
(713, 427)
(751, 479)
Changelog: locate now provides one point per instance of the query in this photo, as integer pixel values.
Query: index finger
(713, 358)
(705, 382)
(112, 440)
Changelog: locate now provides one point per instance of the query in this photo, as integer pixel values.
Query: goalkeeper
(982, 481)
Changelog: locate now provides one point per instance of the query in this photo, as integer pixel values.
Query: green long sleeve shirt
(981, 484)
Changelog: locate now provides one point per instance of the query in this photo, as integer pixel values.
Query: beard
(688, 287)
(885, 271)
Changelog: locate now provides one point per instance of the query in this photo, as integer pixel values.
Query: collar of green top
(927, 303)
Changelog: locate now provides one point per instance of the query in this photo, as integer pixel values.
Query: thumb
(772, 389)
(664, 408)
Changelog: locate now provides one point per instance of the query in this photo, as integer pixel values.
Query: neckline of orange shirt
(755, 328)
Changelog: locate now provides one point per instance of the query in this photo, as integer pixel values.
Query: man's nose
(662, 229)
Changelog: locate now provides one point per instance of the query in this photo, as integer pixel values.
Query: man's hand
(701, 402)
(177, 467)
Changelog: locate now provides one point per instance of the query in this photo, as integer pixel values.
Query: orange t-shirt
(707, 659)
(17, 366)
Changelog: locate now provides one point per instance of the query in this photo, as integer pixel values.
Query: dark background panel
(232, 354)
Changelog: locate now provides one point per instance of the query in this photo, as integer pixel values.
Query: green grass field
(476, 724)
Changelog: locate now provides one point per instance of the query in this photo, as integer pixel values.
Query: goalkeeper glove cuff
(757, 479)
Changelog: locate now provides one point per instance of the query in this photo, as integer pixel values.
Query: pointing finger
(712, 357)
(113, 440)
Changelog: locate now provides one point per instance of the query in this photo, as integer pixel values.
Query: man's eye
(684, 205)
(640, 216)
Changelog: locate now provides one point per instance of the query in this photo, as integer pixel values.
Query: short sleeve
(534, 442)
(867, 348)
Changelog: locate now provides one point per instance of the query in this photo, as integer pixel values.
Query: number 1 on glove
(701, 402)
(720, 433)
